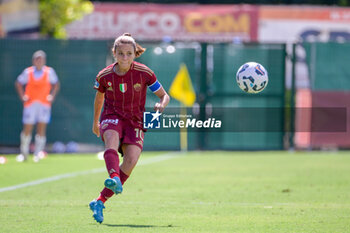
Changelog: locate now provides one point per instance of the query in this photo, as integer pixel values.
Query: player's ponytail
(126, 38)
(139, 50)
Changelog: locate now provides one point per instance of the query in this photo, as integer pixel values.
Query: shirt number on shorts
(139, 133)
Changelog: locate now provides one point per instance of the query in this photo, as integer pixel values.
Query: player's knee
(111, 139)
(131, 159)
(27, 132)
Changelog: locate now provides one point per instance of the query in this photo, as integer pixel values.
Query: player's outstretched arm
(98, 103)
(164, 100)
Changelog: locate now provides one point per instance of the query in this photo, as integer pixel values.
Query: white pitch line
(93, 171)
(160, 158)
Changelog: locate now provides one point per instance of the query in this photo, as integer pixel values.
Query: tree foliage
(56, 14)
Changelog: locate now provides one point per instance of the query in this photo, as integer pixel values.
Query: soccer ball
(252, 77)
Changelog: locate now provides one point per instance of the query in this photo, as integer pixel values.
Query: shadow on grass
(135, 226)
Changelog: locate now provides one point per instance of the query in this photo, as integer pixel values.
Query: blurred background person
(37, 87)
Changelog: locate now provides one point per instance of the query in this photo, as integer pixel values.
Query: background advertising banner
(179, 22)
(298, 23)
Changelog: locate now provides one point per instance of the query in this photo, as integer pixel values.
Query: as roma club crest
(109, 86)
(137, 87)
(122, 87)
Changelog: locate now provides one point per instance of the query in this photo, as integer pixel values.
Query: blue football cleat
(114, 184)
(97, 208)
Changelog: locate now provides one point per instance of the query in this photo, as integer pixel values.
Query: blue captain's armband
(155, 86)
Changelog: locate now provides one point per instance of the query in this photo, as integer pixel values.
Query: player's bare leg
(131, 156)
(111, 138)
(26, 137)
(40, 140)
(41, 129)
(28, 129)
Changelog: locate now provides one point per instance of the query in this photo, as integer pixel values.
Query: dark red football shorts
(128, 134)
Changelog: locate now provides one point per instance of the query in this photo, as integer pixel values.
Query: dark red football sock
(105, 195)
(123, 176)
(112, 162)
(102, 198)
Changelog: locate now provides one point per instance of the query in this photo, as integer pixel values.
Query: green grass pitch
(193, 192)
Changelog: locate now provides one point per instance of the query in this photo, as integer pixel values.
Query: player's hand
(25, 98)
(96, 128)
(49, 98)
(158, 107)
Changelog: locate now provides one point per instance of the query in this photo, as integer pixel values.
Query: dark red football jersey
(125, 96)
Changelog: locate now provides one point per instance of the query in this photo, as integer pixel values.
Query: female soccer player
(121, 90)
